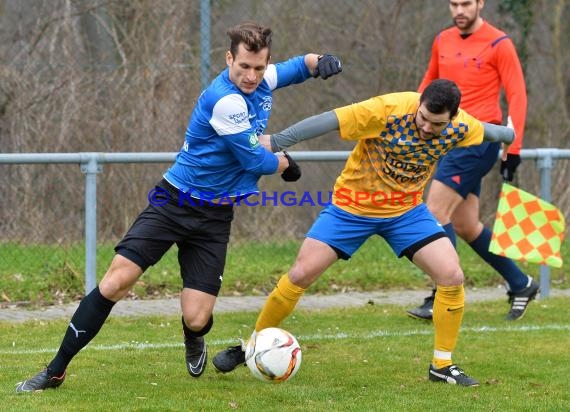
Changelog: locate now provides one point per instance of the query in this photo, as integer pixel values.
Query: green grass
(40, 274)
(371, 358)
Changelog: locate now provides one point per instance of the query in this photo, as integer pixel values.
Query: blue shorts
(346, 232)
(463, 169)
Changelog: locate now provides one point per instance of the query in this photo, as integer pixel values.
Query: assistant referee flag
(527, 228)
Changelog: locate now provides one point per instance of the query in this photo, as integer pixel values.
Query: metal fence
(91, 164)
(94, 82)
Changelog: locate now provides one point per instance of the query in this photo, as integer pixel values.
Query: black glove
(293, 172)
(509, 166)
(327, 66)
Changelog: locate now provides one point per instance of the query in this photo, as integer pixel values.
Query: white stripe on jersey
(230, 115)
(270, 76)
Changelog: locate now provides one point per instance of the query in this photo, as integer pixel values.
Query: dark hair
(254, 37)
(440, 96)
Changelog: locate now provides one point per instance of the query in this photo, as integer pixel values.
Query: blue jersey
(221, 155)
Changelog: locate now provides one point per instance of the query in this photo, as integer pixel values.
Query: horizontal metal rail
(91, 164)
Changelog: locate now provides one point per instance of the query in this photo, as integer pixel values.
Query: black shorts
(201, 231)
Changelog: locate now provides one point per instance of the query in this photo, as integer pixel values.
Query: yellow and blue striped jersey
(388, 169)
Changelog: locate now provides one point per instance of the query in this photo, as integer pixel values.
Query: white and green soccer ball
(273, 355)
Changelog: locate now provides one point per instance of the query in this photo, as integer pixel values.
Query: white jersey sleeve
(270, 76)
(230, 115)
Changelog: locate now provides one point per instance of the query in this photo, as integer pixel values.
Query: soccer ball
(273, 355)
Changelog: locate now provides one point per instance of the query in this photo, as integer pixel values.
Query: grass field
(40, 274)
(367, 359)
(371, 358)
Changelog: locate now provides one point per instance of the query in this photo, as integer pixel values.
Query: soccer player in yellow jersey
(400, 138)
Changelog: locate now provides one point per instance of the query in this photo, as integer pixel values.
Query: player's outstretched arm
(306, 129)
(497, 133)
(509, 161)
(323, 66)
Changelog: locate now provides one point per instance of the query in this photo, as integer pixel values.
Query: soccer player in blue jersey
(221, 158)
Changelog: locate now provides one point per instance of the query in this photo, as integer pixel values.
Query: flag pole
(545, 163)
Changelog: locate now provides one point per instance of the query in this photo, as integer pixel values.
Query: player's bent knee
(114, 286)
(112, 290)
(120, 278)
(452, 279)
(300, 278)
(201, 324)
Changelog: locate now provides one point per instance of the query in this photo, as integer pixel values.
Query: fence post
(90, 167)
(545, 163)
(205, 16)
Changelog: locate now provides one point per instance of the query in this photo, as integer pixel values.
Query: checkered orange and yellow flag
(527, 228)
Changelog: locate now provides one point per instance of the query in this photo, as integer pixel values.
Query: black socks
(191, 334)
(83, 327)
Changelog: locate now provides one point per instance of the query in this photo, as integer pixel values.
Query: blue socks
(516, 279)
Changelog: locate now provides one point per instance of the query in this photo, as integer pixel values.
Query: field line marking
(304, 338)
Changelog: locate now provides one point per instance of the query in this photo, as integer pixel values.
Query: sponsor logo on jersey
(239, 118)
(253, 141)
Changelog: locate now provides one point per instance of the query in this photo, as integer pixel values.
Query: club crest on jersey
(266, 103)
(253, 141)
